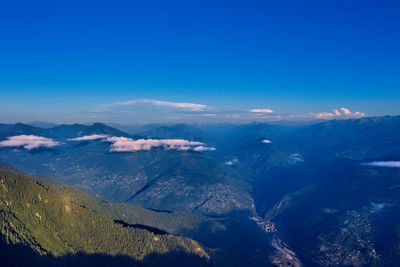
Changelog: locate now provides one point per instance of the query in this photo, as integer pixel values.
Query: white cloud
(375, 207)
(342, 113)
(262, 110)
(28, 141)
(389, 164)
(326, 115)
(204, 148)
(266, 141)
(154, 102)
(295, 158)
(124, 144)
(345, 111)
(232, 162)
(88, 137)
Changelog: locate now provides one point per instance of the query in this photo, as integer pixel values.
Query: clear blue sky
(73, 62)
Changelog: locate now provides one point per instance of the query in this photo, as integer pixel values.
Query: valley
(307, 197)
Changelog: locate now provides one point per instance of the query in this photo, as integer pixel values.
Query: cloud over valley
(124, 144)
(28, 142)
(89, 137)
(388, 164)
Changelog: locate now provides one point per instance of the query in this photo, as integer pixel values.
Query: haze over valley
(270, 193)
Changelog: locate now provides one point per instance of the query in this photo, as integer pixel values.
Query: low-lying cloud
(88, 137)
(28, 142)
(124, 144)
(388, 164)
(375, 207)
(232, 162)
(204, 148)
(295, 158)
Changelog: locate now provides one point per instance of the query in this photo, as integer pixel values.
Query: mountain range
(279, 194)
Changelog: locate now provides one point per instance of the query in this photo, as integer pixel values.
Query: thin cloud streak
(192, 112)
(160, 103)
(204, 148)
(261, 110)
(88, 137)
(388, 164)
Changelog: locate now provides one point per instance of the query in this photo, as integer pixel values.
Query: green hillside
(57, 221)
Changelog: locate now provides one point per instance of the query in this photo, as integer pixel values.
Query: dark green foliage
(54, 222)
(17, 255)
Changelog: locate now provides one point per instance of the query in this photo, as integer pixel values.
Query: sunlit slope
(53, 221)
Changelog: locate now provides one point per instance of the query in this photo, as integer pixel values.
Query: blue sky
(97, 61)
